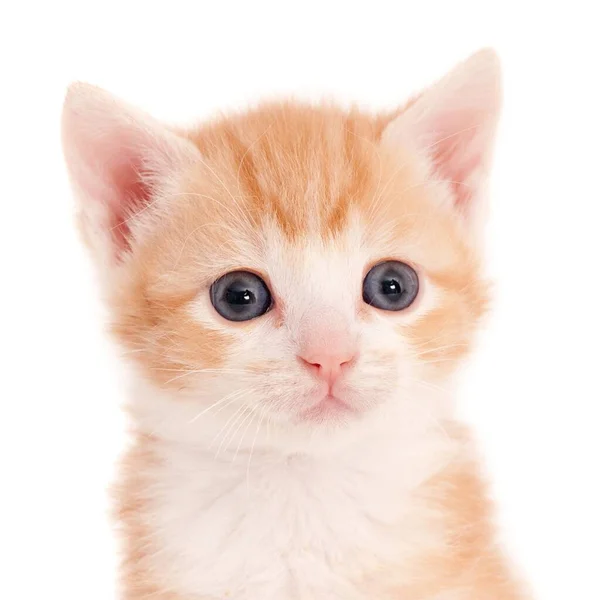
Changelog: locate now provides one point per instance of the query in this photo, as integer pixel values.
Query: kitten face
(309, 199)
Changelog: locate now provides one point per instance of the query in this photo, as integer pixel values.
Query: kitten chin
(294, 289)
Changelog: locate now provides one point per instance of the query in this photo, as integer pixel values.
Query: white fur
(278, 515)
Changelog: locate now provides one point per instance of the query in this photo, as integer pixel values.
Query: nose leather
(328, 348)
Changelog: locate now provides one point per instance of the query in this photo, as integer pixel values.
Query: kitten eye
(240, 296)
(391, 285)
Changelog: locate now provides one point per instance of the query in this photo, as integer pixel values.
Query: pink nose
(327, 360)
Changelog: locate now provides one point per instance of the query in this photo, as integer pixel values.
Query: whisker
(211, 370)
(424, 352)
(240, 414)
(430, 340)
(187, 373)
(237, 450)
(228, 399)
(225, 427)
(260, 421)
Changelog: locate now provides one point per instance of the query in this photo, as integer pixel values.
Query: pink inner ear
(459, 152)
(455, 161)
(131, 195)
(108, 168)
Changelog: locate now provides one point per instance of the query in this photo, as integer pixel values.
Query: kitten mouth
(329, 407)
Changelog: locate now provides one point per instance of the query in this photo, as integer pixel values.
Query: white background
(532, 391)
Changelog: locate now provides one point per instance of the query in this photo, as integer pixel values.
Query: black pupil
(390, 286)
(239, 297)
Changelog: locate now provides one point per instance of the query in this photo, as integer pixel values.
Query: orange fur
(134, 513)
(470, 562)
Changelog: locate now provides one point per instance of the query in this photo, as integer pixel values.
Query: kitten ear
(116, 156)
(453, 124)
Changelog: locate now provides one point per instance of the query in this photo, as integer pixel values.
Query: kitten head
(302, 265)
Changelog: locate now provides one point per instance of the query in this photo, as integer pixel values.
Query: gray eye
(391, 285)
(240, 296)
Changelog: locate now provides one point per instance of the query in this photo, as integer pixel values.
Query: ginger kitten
(294, 289)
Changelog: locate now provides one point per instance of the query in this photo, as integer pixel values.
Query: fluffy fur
(230, 490)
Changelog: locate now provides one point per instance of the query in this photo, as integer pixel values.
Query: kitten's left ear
(118, 158)
(453, 125)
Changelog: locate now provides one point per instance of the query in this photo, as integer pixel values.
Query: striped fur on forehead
(303, 166)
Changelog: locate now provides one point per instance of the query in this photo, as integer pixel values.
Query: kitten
(294, 289)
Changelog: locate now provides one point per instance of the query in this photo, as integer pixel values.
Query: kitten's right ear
(452, 125)
(117, 158)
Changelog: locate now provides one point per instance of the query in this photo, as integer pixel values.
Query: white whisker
(426, 351)
(237, 450)
(260, 421)
(223, 402)
(231, 422)
(248, 412)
